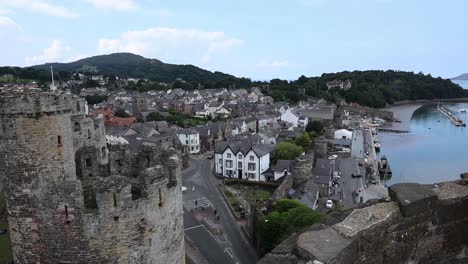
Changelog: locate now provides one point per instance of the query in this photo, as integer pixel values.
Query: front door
(239, 173)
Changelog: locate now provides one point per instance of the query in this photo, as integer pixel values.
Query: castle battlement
(73, 197)
(37, 103)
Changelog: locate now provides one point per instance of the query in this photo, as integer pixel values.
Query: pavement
(231, 246)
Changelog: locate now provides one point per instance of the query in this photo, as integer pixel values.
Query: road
(202, 185)
(208, 244)
(348, 184)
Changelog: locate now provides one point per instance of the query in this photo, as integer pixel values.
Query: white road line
(193, 227)
(229, 251)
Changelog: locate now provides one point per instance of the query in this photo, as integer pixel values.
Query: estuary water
(434, 151)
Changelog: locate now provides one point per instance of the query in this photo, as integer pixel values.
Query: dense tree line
(369, 88)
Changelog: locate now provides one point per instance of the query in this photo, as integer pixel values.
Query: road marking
(193, 227)
(201, 202)
(229, 251)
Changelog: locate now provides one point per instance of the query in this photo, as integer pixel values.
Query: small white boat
(463, 110)
(377, 147)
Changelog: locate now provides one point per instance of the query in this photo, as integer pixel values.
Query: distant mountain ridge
(136, 66)
(464, 76)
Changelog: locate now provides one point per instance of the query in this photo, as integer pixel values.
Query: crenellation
(72, 196)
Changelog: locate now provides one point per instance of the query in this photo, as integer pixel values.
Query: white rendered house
(242, 160)
(191, 139)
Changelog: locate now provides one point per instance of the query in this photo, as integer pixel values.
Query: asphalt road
(209, 245)
(348, 184)
(202, 184)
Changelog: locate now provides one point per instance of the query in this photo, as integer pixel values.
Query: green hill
(370, 88)
(131, 65)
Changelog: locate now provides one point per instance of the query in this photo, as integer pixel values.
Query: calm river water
(434, 151)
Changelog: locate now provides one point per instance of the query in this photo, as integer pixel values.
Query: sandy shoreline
(404, 114)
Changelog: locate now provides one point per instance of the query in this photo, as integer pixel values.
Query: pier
(451, 116)
(390, 130)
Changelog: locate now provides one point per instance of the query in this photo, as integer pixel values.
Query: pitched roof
(122, 121)
(282, 165)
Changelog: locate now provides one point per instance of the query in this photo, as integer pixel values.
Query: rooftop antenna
(53, 83)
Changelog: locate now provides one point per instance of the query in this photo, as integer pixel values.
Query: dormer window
(239, 156)
(229, 155)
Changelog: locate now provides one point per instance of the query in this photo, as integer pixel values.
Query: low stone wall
(361, 110)
(283, 189)
(421, 224)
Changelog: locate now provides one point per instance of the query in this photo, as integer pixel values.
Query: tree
(303, 141)
(121, 113)
(288, 151)
(288, 216)
(315, 126)
(95, 99)
(154, 116)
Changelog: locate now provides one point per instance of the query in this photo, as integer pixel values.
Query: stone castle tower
(72, 197)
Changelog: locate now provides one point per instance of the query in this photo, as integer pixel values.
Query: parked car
(210, 156)
(332, 157)
(329, 204)
(356, 175)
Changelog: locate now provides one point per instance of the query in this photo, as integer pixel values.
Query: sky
(259, 39)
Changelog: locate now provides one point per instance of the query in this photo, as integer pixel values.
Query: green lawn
(252, 195)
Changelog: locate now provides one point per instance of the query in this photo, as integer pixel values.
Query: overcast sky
(260, 39)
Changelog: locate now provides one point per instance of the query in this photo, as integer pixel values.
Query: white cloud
(7, 24)
(4, 11)
(40, 6)
(56, 52)
(121, 5)
(181, 45)
(273, 64)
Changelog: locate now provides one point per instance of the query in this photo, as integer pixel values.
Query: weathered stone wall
(101, 215)
(361, 110)
(422, 224)
(302, 169)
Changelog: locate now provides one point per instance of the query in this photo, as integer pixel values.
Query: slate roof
(116, 131)
(282, 165)
(308, 193)
(244, 146)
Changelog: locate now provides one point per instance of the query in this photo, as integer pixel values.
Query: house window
(88, 162)
(229, 155)
(239, 156)
(251, 157)
(89, 134)
(119, 163)
(59, 141)
(251, 175)
(228, 163)
(251, 166)
(239, 165)
(220, 161)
